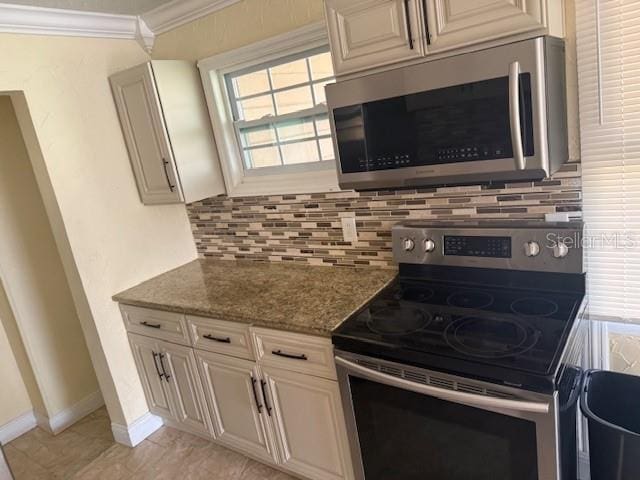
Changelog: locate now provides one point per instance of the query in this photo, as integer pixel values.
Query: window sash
(277, 121)
(214, 71)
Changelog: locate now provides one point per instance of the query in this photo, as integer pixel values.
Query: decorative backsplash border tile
(306, 228)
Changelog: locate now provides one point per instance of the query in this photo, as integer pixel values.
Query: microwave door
(480, 117)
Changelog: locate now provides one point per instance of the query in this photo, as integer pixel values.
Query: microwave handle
(470, 399)
(514, 115)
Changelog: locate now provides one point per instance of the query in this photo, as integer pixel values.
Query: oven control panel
(477, 246)
(546, 247)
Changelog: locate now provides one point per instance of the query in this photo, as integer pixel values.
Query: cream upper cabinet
(234, 392)
(181, 374)
(308, 419)
(167, 131)
(146, 353)
(369, 33)
(461, 23)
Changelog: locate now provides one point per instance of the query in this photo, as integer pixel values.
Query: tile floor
(86, 451)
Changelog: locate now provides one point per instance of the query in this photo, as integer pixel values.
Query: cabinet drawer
(228, 338)
(168, 326)
(294, 351)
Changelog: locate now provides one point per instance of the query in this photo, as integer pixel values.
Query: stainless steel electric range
(468, 365)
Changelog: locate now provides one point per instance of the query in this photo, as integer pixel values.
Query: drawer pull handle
(255, 394)
(280, 353)
(263, 384)
(217, 339)
(151, 325)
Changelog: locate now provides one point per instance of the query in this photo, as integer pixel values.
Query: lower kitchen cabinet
(309, 424)
(171, 383)
(191, 410)
(146, 353)
(282, 408)
(234, 393)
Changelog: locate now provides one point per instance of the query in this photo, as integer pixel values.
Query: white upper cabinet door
(370, 33)
(146, 353)
(187, 392)
(189, 127)
(234, 392)
(309, 422)
(145, 134)
(461, 23)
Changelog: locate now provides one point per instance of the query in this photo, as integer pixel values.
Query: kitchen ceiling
(124, 7)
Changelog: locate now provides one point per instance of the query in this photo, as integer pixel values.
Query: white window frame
(213, 70)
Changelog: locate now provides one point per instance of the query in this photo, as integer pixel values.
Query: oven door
(412, 424)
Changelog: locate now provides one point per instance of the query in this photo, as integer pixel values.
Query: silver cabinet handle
(166, 174)
(449, 395)
(514, 115)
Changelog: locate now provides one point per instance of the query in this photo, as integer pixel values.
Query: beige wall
(15, 365)
(34, 280)
(240, 24)
(107, 239)
(14, 397)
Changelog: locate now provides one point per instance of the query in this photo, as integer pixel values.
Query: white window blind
(608, 42)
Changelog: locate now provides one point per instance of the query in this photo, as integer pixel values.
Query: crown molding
(178, 12)
(55, 21)
(74, 23)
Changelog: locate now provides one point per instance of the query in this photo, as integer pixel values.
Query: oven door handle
(469, 399)
(514, 115)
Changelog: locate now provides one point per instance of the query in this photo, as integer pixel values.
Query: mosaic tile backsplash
(306, 228)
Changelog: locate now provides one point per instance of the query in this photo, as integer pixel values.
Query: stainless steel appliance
(493, 115)
(468, 365)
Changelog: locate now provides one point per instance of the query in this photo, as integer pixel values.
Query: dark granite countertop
(299, 298)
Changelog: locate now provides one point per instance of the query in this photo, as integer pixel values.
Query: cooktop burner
(470, 299)
(415, 294)
(491, 337)
(401, 320)
(534, 307)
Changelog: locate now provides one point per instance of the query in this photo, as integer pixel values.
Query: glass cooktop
(514, 329)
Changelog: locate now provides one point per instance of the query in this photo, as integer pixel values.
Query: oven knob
(429, 245)
(560, 250)
(408, 244)
(531, 249)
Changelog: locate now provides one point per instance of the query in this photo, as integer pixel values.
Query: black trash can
(611, 403)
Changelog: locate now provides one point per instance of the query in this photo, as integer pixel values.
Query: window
(269, 114)
(608, 40)
(280, 112)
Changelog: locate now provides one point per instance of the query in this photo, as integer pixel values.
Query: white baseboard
(18, 426)
(67, 417)
(131, 435)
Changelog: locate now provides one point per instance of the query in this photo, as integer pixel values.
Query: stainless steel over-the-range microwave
(493, 115)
